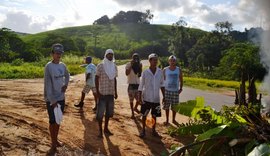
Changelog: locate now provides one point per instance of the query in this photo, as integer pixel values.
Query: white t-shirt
(132, 78)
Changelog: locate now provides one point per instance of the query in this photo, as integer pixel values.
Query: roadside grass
(213, 84)
(24, 70)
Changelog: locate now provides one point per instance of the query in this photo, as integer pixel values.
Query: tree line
(126, 17)
(222, 53)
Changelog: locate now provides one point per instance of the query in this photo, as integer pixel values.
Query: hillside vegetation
(124, 39)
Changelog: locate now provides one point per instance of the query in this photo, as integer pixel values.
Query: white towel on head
(58, 114)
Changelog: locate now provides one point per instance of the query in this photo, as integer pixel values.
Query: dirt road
(24, 123)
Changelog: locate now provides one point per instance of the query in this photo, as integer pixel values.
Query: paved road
(216, 100)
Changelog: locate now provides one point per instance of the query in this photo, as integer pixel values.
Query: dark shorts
(51, 112)
(105, 105)
(154, 107)
(133, 92)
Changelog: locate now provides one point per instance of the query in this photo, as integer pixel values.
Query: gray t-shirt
(55, 77)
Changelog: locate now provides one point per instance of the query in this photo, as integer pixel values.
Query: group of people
(143, 88)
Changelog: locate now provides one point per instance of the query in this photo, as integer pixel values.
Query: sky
(33, 16)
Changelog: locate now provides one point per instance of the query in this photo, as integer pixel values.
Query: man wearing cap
(173, 87)
(106, 86)
(90, 74)
(151, 81)
(56, 79)
(133, 73)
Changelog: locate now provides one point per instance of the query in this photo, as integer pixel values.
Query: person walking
(133, 73)
(90, 74)
(106, 85)
(173, 87)
(151, 81)
(56, 79)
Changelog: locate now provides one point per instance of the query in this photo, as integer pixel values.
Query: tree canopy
(126, 17)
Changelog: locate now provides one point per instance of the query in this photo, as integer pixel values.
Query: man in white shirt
(151, 81)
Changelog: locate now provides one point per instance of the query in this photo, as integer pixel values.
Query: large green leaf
(190, 128)
(261, 150)
(211, 132)
(190, 108)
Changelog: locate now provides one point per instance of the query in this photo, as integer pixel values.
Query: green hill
(95, 39)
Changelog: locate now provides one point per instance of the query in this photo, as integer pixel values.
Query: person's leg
(142, 134)
(145, 109)
(109, 113)
(53, 135)
(154, 125)
(174, 102)
(174, 114)
(96, 101)
(94, 91)
(167, 116)
(155, 112)
(137, 102)
(81, 101)
(86, 90)
(100, 114)
(52, 128)
(82, 97)
(132, 110)
(100, 134)
(131, 99)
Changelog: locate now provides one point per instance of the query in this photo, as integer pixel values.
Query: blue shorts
(105, 103)
(51, 112)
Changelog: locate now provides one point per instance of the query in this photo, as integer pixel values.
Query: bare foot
(175, 122)
(59, 144)
(107, 131)
(166, 123)
(51, 151)
(136, 110)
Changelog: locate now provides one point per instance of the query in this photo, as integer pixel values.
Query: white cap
(153, 55)
(172, 57)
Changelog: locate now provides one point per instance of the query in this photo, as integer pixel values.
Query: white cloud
(23, 22)
(40, 15)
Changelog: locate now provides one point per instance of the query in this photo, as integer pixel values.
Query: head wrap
(109, 66)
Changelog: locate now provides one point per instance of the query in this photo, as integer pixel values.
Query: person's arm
(142, 83)
(97, 85)
(128, 69)
(87, 76)
(48, 87)
(67, 77)
(97, 81)
(181, 81)
(115, 82)
(115, 89)
(162, 86)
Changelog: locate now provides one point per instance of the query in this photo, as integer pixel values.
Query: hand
(163, 100)
(64, 88)
(132, 62)
(98, 94)
(180, 91)
(54, 105)
(115, 96)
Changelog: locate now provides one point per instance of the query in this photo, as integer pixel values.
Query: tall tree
(242, 59)
(224, 27)
(102, 20)
(179, 42)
